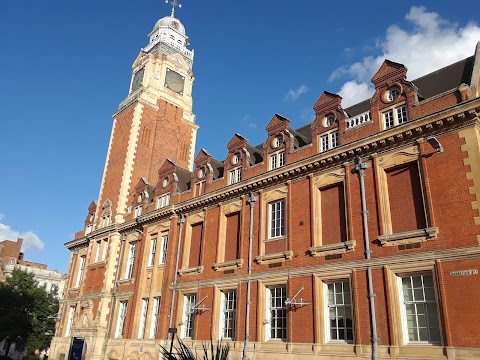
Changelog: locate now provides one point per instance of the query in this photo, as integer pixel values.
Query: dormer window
(235, 176)
(277, 141)
(329, 141)
(391, 94)
(329, 120)
(394, 117)
(277, 160)
(236, 158)
(163, 200)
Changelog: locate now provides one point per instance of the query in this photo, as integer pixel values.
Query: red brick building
(354, 236)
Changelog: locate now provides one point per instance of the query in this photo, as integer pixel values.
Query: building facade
(354, 236)
(11, 257)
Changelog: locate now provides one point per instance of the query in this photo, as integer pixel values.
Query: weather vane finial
(174, 3)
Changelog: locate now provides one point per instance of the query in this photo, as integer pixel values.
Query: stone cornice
(442, 121)
(326, 269)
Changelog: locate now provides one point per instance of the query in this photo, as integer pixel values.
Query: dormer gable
(389, 73)
(143, 192)
(238, 155)
(90, 219)
(329, 114)
(277, 124)
(167, 180)
(203, 173)
(327, 102)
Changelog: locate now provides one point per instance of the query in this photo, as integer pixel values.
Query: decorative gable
(237, 152)
(167, 179)
(329, 114)
(279, 135)
(389, 73)
(203, 170)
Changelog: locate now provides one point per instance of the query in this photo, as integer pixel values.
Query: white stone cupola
(168, 37)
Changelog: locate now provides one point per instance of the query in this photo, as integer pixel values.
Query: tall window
(189, 302)
(395, 117)
(81, 269)
(338, 312)
(419, 309)
(71, 315)
(228, 314)
(130, 261)
(276, 223)
(276, 313)
(98, 249)
(163, 249)
(277, 160)
(163, 201)
(143, 319)
(137, 211)
(122, 314)
(154, 320)
(329, 141)
(105, 221)
(104, 251)
(153, 249)
(235, 176)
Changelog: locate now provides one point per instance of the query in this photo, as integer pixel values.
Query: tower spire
(174, 3)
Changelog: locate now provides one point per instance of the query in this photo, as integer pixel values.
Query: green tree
(27, 312)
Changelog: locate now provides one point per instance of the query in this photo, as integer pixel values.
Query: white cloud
(252, 125)
(1, 216)
(429, 43)
(30, 239)
(295, 94)
(353, 92)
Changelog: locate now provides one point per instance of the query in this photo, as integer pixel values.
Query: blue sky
(66, 65)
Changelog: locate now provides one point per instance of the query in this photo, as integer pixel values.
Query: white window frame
(154, 319)
(188, 318)
(394, 116)
(163, 249)
(143, 319)
(277, 160)
(81, 270)
(104, 251)
(131, 261)
(280, 309)
(276, 219)
(122, 315)
(228, 315)
(88, 229)
(341, 307)
(71, 315)
(137, 211)
(235, 176)
(163, 200)
(329, 140)
(152, 253)
(105, 221)
(98, 249)
(418, 303)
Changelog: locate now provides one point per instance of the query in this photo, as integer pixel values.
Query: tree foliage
(27, 312)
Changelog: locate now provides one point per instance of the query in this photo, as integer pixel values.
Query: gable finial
(174, 3)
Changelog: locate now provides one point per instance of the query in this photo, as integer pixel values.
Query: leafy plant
(183, 352)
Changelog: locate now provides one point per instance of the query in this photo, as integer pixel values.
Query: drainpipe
(360, 168)
(181, 222)
(114, 296)
(251, 202)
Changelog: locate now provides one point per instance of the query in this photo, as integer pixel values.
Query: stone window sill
(191, 271)
(228, 265)
(274, 258)
(409, 237)
(332, 249)
(125, 282)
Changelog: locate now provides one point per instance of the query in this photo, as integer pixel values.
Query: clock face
(174, 81)
(137, 79)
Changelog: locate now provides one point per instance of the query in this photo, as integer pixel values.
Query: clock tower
(155, 121)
